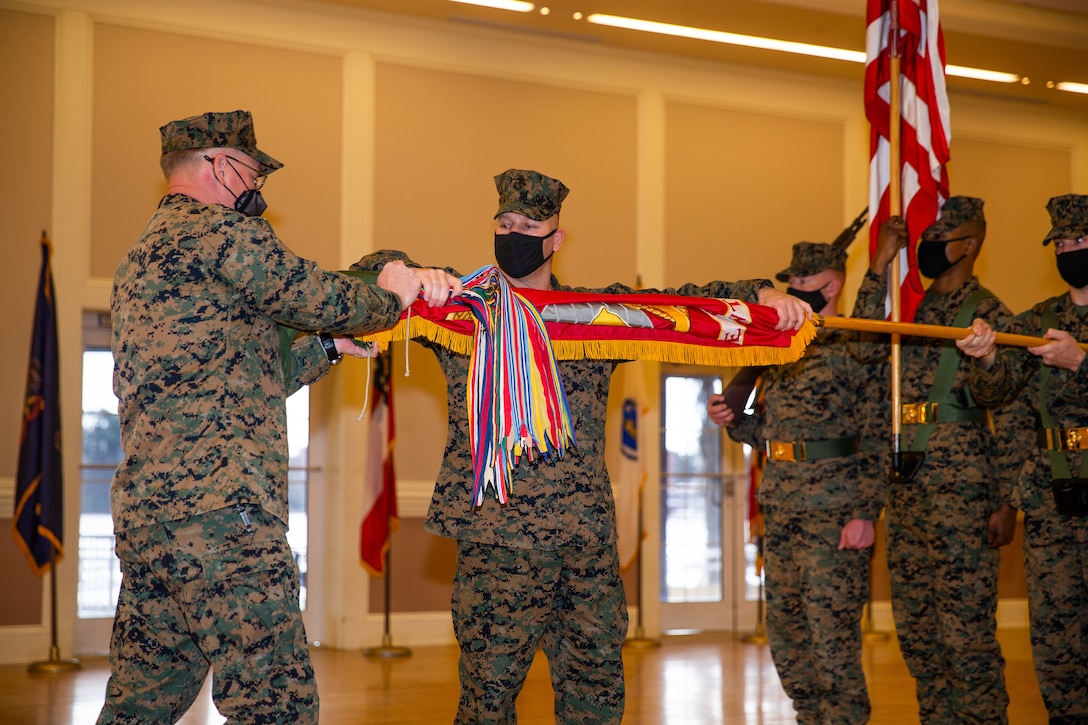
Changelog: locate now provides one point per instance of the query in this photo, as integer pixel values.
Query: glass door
(702, 492)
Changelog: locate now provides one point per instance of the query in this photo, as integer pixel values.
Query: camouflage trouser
(944, 599)
(209, 591)
(816, 595)
(570, 602)
(1056, 565)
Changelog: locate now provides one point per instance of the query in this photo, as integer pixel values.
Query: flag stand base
(760, 635)
(641, 641)
(387, 650)
(54, 665)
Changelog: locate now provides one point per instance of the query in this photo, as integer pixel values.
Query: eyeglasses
(258, 179)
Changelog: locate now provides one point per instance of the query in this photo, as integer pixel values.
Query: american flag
(924, 123)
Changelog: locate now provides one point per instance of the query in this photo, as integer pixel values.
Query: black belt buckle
(905, 465)
(1070, 496)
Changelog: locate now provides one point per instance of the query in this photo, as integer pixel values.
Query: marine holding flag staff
(200, 500)
(947, 517)
(820, 493)
(1052, 486)
(542, 570)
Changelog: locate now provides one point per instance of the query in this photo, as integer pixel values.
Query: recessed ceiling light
(516, 5)
(982, 75)
(1072, 87)
(785, 46)
(718, 36)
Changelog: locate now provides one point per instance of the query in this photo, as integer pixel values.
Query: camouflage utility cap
(1068, 217)
(530, 194)
(955, 211)
(232, 130)
(811, 258)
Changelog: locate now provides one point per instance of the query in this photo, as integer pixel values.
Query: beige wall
(26, 91)
(743, 186)
(1016, 180)
(391, 131)
(143, 79)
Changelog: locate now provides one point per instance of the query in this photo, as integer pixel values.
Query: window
(99, 569)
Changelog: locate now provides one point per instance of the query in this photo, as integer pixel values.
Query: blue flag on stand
(37, 524)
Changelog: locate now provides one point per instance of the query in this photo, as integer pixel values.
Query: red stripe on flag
(379, 481)
(925, 128)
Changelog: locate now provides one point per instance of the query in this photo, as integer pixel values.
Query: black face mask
(933, 258)
(1073, 267)
(815, 298)
(250, 202)
(519, 255)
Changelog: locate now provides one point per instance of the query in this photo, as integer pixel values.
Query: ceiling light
(982, 75)
(785, 46)
(1072, 87)
(718, 36)
(516, 5)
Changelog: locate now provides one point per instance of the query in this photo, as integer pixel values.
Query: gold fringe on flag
(697, 352)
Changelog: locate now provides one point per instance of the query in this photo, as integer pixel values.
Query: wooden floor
(702, 679)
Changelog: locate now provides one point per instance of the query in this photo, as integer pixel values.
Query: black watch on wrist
(329, 345)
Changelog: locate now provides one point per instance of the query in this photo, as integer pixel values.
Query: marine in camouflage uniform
(199, 502)
(944, 525)
(820, 495)
(541, 571)
(1055, 542)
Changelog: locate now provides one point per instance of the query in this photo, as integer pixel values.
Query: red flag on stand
(925, 127)
(37, 523)
(755, 513)
(379, 483)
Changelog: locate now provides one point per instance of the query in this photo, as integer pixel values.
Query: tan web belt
(1063, 439)
(811, 450)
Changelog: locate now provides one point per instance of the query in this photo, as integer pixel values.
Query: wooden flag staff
(919, 330)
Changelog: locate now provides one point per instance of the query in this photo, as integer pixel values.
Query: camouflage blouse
(971, 460)
(195, 307)
(1015, 378)
(823, 396)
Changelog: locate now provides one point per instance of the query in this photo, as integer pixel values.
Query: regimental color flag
(924, 122)
(38, 521)
(379, 484)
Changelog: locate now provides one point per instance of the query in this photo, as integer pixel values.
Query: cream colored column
(338, 616)
(650, 254)
(71, 234)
